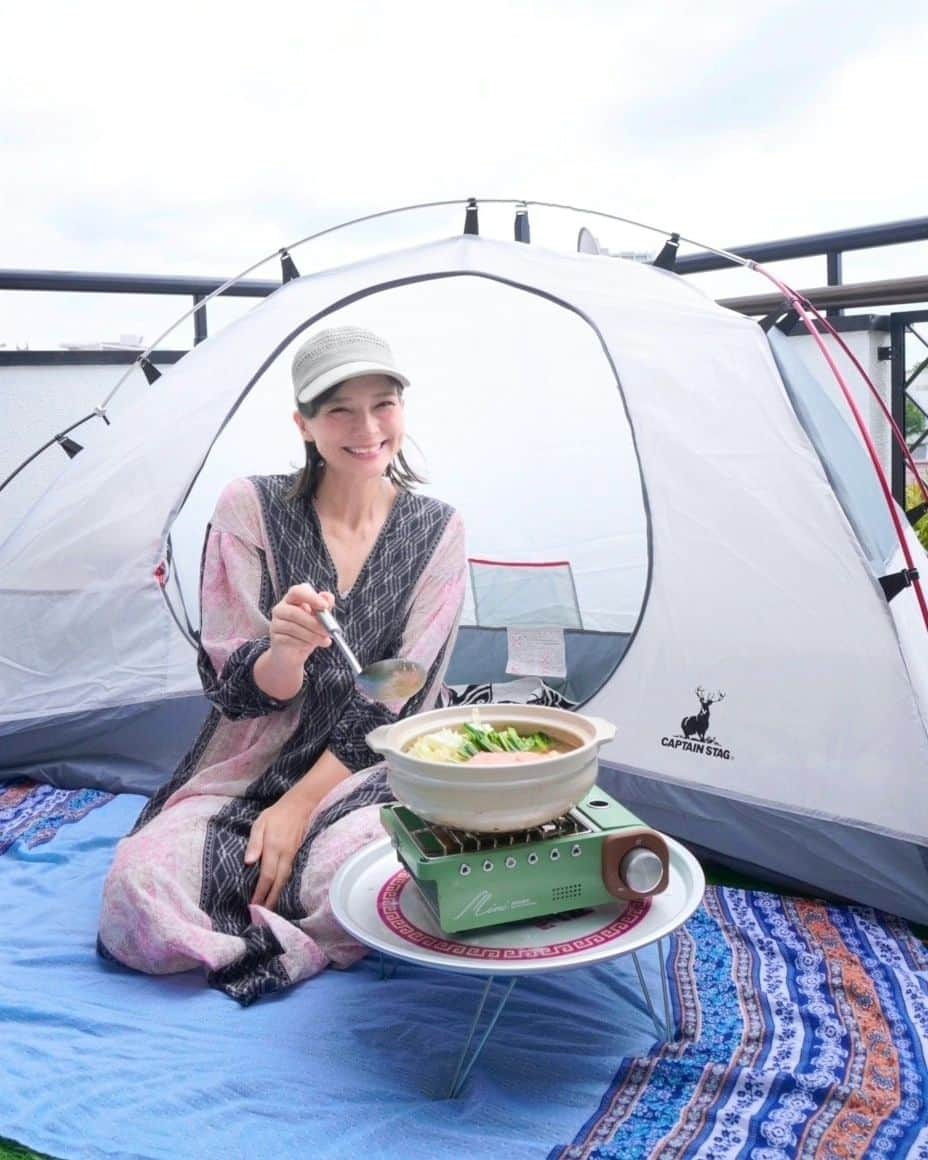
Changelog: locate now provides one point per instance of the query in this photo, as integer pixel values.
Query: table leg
(387, 966)
(663, 1029)
(665, 991)
(462, 1072)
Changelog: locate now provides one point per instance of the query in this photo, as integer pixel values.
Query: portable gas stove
(595, 853)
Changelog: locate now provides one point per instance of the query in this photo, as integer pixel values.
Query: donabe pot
(497, 798)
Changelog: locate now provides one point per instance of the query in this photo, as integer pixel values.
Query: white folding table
(375, 900)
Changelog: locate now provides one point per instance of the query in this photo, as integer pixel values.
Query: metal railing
(902, 377)
(833, 297)
(64, 281)
(832, 246)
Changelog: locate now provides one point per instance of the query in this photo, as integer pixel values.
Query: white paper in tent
(536, 652)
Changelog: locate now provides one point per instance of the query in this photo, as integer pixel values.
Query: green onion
(481, 738)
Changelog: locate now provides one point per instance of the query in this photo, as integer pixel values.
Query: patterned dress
(177, 895)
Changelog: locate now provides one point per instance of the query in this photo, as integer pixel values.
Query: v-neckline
(365, 566)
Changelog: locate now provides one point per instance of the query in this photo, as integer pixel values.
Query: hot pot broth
(477, 742)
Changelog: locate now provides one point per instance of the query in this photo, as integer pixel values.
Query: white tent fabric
(574, 408)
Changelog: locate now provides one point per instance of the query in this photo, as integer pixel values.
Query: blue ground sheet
(97, 1061)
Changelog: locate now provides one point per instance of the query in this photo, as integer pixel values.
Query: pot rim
(588, 732)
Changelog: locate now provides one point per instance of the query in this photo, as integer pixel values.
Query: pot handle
(377, 740)
(605, 730)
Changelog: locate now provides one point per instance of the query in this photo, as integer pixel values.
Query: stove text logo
(482, 904)
(692, 736)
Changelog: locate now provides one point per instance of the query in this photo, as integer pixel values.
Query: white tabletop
(375, 901)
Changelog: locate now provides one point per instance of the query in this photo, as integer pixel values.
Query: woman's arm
(428, 638)
(278, 831)
(295, 634)
(253, 652)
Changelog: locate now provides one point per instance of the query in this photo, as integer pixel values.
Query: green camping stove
(597, 852)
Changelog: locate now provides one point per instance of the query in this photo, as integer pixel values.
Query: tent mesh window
(826, 419)
(514, 594)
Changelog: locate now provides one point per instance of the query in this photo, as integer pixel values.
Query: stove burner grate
(435, 840)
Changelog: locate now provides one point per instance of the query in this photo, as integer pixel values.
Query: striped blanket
(802, 1033)
(34, 813)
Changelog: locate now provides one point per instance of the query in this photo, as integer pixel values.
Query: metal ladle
(392, 680)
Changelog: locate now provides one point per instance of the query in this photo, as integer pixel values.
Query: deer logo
(699, 722)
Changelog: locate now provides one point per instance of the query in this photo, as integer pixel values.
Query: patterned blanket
(34, 813)
(802, 1033)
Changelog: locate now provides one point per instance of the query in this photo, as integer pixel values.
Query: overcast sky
(197, 137)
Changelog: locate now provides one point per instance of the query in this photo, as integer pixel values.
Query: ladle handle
(334, 629)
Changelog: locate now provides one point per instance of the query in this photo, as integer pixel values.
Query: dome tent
(770, 702)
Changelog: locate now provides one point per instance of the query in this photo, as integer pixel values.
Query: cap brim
(342, 374)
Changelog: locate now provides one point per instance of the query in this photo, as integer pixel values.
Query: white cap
(343, 352)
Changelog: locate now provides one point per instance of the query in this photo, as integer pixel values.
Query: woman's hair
(399, 473)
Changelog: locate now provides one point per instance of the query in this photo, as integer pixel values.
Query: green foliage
(12, 1151)
(914, 497)
(914, 420)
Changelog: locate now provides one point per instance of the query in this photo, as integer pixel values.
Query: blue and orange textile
(32, 813)
(804, 1035)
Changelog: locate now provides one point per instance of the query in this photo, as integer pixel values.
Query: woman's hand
(275, 839)
(279, 831)
(295, 635)
(295, 631)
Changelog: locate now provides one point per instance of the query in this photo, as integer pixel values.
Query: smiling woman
(362, 418)
(353, 433)
(229, 864)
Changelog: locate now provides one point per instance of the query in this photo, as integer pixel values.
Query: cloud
(783, 61)
(195, 137)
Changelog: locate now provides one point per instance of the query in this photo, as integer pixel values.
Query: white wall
(35, 404)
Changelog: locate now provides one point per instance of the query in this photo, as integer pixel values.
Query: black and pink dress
(177, 895)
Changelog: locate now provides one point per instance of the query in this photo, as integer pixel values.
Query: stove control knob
(488, 865)
(641, 870)
(555, 854)
(465, 870)
(576, 850)
(532, 859)
(510, 863)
